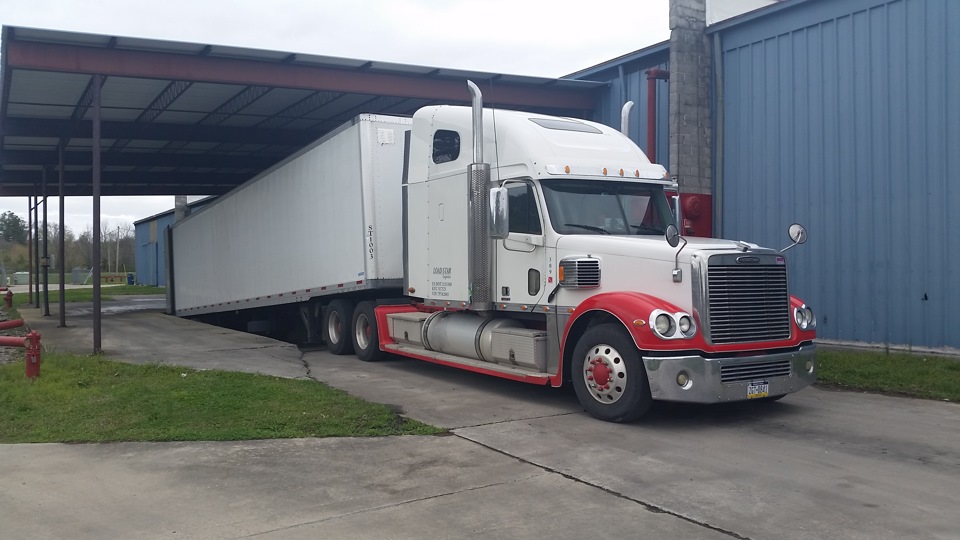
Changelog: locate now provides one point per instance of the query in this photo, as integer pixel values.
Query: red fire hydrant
(32, 345)
(8, 299)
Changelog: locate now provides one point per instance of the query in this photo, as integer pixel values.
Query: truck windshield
(606, 207)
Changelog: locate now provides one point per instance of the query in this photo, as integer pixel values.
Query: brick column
(690, 120)
(180, 208)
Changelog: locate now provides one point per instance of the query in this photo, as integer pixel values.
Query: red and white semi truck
(513, 244)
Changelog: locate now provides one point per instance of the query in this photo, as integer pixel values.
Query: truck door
(521, 255)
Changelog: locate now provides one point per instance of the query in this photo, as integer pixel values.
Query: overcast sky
(548, 38)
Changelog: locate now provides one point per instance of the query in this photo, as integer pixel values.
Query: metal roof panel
(205, 97)
(276, 100)
(39, 111)
(46, 87)
(130, 92)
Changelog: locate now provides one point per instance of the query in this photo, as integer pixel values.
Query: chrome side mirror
(499, 213)
(673, 238)
(798, 234)
(673, 235)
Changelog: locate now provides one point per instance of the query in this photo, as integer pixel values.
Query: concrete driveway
(817, 464)
(522, 462)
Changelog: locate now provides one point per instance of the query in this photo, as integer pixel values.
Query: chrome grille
(754, 371)
(581, 273)
(748, 303)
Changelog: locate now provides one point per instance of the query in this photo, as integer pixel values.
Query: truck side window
(524, 214)
(446, 146)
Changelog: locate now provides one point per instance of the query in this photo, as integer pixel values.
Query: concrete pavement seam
(649, 506)
(306, 366)
(394, 505)
(506, 420)
(269, 346)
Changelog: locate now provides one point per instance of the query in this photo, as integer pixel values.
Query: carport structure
(91, 115)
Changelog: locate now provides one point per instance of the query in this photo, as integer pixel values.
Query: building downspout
(652, 75)
(478, 176)
(718, 137)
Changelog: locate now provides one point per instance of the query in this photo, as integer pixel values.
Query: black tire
(337, 327)
(366, 340)
(620, 391)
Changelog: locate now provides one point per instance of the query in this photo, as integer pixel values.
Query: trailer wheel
(608, 375)
(336, 326)
(366, 340)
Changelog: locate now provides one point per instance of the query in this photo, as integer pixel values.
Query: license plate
(759, 389)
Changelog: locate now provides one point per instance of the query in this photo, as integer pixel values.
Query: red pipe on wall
(652, 75)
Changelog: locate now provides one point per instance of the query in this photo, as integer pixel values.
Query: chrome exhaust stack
(625, 118)
(478, 176)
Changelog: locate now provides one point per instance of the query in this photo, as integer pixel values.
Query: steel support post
(30, 250)
(61, 247)
(96, 216)
(45, 260)
(36, 249)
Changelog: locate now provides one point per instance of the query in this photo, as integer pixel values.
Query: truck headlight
(804, 318)
(686, 326)
(664, 325)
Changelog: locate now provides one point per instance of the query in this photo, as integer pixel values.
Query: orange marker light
(566, 169)
(560, 274)
(621, 172)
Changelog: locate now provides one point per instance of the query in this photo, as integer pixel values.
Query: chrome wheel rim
(362, 332)
(605, 373)
(334, 324)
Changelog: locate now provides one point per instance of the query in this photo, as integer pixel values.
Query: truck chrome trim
(478, 366)
(716, 380)
(728, 311)
(477, 108)
(580, 272)
(625, 120)
(481, 268)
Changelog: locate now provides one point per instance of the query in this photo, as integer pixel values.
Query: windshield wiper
(646, 229)
(588, 227)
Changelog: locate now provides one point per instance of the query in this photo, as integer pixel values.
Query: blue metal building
(628, 82)
(152, 245)
(841, 115)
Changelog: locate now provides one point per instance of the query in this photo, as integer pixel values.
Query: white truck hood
(642, 264)
(642, 247)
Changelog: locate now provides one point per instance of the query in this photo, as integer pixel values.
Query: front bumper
(726, 379)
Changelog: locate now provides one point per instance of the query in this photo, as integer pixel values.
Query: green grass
(914, 375)
(107, 292)
(88, 399)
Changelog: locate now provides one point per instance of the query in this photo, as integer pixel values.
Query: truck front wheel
(608, 375)
(336, 326)
(366, 340)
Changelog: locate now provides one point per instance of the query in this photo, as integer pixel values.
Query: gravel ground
(9, 355)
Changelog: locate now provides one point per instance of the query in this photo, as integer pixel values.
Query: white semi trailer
(557, 259)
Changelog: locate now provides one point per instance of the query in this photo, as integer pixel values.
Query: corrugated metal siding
(843, 115)
(633, 87)
(151, 251)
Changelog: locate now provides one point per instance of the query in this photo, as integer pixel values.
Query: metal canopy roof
(193, 119)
